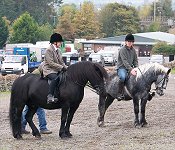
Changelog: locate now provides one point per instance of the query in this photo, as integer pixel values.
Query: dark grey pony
(136, 88)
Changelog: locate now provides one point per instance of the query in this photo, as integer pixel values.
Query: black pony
(136, 88)
(32, 91)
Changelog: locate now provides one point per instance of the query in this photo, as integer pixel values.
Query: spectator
(42, 121)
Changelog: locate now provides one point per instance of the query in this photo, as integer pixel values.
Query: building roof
(148, 38)
(160, 36)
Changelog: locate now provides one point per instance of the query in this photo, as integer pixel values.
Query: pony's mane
(83, 69)
(142, 69)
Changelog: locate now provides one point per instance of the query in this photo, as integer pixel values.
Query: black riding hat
(56, 37)
(129, 38)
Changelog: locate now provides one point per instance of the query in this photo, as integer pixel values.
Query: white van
(14, 64)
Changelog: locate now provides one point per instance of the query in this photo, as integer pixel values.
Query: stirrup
(51, 99)
(120, 97)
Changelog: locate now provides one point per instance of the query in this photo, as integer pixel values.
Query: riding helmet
(56, 37)
(129, 37)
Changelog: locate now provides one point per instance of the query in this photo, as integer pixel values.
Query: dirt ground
(118, 133)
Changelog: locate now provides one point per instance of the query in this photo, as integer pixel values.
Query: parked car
(97, 57)
(157, 59)
(70, 58)
(109, 58)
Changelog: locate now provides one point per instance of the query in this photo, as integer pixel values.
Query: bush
(164, 49)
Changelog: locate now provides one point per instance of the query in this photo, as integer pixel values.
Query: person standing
(53, 64)
(41, 118)
(127, 61)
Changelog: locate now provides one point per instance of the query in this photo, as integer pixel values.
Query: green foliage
(25, 30)
(117, 19)
(173, 71)
(163, 48)
(155, 26)
(163, 8)
(144, 11)
(86, 24)
(41, 10)
(3, 32)
(65, 26)
(45, 31)
(7, 8)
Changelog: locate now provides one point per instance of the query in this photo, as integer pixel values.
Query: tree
(65, 25)
(7, 8)
(117, 19)
(41, 10)
(144, 11)
(45, 31)
(163, 8)
(163, 48)
(155, 26)
(86, 23)
(25, 30)
(4, 32)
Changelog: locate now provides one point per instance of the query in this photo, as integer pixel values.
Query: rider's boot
(50, 97)
(120, 95)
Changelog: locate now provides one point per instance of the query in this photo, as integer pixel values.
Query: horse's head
(98, 78)
(82, 72)
(161, 82)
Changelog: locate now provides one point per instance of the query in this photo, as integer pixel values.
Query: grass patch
(4, 94)
(173, 71)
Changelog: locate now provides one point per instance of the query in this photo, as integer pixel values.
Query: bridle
(160, 85)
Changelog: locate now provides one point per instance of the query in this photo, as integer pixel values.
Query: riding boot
(50, 97)
(120, 95)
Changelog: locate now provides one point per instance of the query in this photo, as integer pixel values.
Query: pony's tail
(15, 114)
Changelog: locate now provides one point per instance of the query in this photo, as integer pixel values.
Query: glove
(64, 69)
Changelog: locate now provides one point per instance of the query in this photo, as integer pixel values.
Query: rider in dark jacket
(127, 61)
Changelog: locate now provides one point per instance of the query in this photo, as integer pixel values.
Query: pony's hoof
(100, 123)
(38, 137)
(143, 124)
(19, 137)
(69, 135)
(64, 136)
(136, 124)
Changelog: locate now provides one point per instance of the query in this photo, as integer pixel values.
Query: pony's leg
(71, 113)
(142, 116)
(104, 103)
(64, 115)
(136, 111)
(29, 116)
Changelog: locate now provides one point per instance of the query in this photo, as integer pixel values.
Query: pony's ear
(169, 70)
